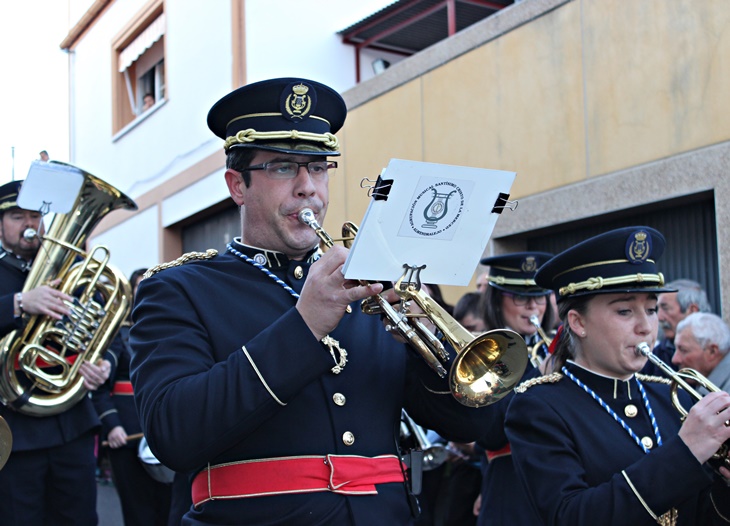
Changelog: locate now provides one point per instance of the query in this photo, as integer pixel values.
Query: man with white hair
(673, 307)
(702, 343)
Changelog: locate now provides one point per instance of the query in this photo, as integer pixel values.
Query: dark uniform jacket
(118, 409)
(31, 432)
(504, 501)
(570, 453)
(225, 369)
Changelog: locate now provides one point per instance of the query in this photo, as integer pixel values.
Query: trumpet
(680, 378)
(486, 367)
(535, 357)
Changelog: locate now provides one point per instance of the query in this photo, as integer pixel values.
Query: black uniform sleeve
(8, 321)
(102, 397)
(193, 403)
(428, 400)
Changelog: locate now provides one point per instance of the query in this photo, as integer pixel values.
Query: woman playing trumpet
(594, 442)
(512, 300)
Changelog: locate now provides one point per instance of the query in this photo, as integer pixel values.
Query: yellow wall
(657, 75)
(586, 89)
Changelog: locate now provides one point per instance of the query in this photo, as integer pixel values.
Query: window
(139, 82)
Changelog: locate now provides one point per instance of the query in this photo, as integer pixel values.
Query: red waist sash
(501, 452)
(345, 474)
(122, 388)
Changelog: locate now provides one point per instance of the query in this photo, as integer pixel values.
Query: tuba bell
(486, 368)
(680, 378)
(39, 364)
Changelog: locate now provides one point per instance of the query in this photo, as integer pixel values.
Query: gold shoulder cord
(190, 256)
(548, 379)
(652, 378)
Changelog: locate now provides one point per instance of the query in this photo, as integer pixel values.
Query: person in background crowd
(43, 156)
(483, 281)
(145, 501)
(148, 101)
(450, 489)
(462, 473)
(510, 301)
(50, 477)
(702, 343)
(236, 353)
(594, 442)
(674, 307)
(467, 312)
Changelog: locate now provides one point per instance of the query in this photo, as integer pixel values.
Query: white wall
(283, 38)
(198, 196)
(290, 38)
(134, 243)
(198, 71)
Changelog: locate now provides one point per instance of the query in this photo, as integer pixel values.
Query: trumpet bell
(488, 368)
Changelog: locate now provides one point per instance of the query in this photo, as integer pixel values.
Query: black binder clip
(379, 189)
(503, 202)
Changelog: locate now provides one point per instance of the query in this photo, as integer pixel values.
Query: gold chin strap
(599, 282)
(250, 135)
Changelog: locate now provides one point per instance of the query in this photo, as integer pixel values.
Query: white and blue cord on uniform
(618, 419)
(331, 344)
(263, 269)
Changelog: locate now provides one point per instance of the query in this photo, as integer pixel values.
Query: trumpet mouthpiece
(534, 320)
(307, 217)
(643, 349)
(30, 234)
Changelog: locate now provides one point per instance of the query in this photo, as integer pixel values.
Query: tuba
(486, 367)
(721, 458)
(39, 364)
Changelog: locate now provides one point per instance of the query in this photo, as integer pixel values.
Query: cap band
(598, 282)
(501, 280)
(250, 135)
(595, 264)
(270, 114)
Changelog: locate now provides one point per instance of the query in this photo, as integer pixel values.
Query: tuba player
(50, 475)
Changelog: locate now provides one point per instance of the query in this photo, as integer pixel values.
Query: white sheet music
(50, 187)
(435, 215)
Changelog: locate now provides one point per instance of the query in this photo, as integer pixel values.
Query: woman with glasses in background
(510, 300)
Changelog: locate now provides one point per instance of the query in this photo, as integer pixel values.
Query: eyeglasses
(520, 301)
(317, 170)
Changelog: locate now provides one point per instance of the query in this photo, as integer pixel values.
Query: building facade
(611, 113)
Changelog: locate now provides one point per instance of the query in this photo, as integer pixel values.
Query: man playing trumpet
(255, 370)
